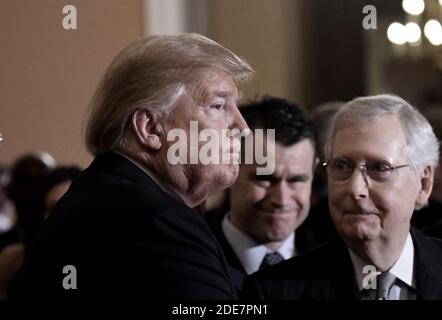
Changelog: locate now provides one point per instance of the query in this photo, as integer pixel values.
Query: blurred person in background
(52, 189)
(8, 215)
(319, 226)
(27, 175)
(11, 249)
(22, 186)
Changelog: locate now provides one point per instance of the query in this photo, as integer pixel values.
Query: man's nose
(238, 120)
(280, 194)
(358, 183)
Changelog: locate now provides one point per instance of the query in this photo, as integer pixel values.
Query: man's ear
(147, 129)
(426, 186)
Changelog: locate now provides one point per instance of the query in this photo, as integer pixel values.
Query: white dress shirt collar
(250, 252)
(403, 269)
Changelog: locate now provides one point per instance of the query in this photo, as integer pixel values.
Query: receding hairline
(414, 125)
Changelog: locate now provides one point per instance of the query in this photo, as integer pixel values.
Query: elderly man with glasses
(380, 168)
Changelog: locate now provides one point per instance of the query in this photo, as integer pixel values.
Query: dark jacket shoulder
(125, 235)
(323, 273)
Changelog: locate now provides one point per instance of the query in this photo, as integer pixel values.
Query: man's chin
(232, 171)
(361, 231)
(225, 175)
(277, 236)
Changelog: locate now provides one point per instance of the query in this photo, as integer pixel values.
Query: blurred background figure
(322, 117)
(55, 186)
(429, 219)
(22, 186)
(11, 250)
(44, 190)
(8, 214)
(27, 176)
(319, 226)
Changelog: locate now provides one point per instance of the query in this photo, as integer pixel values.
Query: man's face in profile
(270, 207)
(211, 104)
(361, 207)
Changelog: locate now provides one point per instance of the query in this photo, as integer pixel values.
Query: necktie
(271, 259)
(385, 282)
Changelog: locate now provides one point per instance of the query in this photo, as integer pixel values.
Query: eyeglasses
(340, 169)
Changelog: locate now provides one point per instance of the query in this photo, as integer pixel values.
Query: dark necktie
(271, 259)
(385, 282)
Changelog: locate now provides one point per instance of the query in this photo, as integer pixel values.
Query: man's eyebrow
(222, 93)
(225, 94)
(298, 177)
(270, 177)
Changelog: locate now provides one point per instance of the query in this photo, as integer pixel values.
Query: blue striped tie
(271, 259)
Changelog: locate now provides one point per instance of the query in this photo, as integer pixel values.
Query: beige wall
(48, 74)
(270, 36)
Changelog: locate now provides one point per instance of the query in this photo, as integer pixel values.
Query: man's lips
(276, 211)
(361, 212)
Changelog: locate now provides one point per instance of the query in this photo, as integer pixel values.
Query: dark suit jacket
(236, 269)
(429, 219)
(326, 273)
(125, 236)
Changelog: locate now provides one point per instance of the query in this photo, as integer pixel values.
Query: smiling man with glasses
(380, 168)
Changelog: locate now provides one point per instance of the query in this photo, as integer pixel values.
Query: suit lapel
(428, 260)
(338, 281)
(345, 280)
(235, 266)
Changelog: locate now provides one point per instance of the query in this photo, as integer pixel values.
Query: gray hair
(152, 73)
(422, 147)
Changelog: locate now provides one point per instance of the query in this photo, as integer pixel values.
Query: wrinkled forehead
(377, 138)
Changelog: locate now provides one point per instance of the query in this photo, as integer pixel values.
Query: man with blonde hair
(126, 226)
(380, 164)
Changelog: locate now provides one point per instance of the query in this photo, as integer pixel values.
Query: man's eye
(342, 165)
(217, 106)
(263, 183)
(296, 184)
(380, 167)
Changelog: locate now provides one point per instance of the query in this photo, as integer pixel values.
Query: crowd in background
(29, 190)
